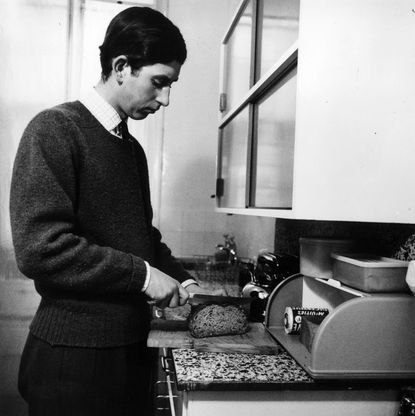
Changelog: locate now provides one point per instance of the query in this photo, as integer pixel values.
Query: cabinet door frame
(258, 86)
(224, 61)
(285, 64)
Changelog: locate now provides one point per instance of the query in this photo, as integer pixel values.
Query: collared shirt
(103, 111)
(106, 114)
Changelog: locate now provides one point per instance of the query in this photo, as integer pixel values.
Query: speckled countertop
(218, 371)
(210, 370)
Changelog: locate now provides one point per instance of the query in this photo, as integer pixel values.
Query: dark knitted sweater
(82, 225)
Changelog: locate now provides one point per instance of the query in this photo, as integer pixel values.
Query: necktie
(123, 129)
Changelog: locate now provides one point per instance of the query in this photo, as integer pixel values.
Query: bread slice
(209, 320)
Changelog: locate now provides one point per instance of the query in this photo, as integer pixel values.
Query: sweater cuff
(189, 282)
(139, 275)
(148, 277)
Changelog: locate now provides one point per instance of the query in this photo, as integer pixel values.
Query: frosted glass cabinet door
(278, 30)
(273, 172)
(237, 76)
(233, 161)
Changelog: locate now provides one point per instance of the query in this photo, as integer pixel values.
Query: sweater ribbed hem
(78, 324)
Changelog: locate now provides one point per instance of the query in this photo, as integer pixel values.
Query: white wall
(187, 218)
(30, 80)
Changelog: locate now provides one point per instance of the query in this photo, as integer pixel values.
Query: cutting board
(174, 334)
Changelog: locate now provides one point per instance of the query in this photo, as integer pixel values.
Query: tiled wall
(197, 232)
(389, 240)
(192, 232)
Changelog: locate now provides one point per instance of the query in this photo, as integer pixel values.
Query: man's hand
(165, 291)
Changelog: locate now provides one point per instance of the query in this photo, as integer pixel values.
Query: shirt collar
(104, 112)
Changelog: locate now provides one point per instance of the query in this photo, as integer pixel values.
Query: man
(82, 230)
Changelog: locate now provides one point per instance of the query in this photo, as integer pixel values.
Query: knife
(199, 298)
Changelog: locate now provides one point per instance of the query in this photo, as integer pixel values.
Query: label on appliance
(293, 317)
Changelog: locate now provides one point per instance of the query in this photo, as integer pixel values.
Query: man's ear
(119, 65)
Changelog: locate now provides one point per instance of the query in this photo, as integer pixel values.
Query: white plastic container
(315, 255)
(370, 273)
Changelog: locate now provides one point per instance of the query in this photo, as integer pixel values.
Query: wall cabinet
(326, 129)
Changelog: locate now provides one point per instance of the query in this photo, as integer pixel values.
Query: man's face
(145, 91)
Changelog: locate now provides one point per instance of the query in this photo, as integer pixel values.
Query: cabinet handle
(222, 102)
(166, 364)
(220, 183)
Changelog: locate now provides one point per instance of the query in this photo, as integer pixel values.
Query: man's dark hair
(145, 36)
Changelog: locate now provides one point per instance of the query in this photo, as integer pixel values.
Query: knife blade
(199, 298)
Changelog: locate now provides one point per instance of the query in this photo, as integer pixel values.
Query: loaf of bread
(209, 320)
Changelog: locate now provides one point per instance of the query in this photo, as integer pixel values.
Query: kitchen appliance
(270, 270)
(259, 297)
(315, 255)
(407, 404)
(364, 336)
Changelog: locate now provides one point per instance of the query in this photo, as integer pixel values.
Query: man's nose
(163, 96)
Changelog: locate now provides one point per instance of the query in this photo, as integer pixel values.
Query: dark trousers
(72, 381)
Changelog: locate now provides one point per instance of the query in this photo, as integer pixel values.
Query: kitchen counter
(210, 370)
(229, 383)
(202, 370)
(196, 370)
(226, 384)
